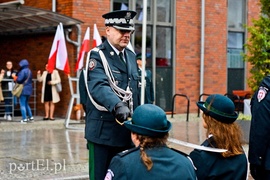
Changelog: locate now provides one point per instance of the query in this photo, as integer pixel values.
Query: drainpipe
(202, 47)
(53, 5)
(202, 57)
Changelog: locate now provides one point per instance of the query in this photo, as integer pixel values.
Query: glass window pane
(234, 58)
(164, 46)
(138, 42)
(120, 5)
(164, 10)
(139, 10)
(235, 40)
(235, 14)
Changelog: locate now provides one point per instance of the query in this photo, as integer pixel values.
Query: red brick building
(193, 46)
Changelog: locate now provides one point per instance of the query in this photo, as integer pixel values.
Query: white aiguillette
(195, 146)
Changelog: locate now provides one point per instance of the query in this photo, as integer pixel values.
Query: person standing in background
(24, 76)
(49, 94)
(149, 89)
(259, 137)
(7, 87)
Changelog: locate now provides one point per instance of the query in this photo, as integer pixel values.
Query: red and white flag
(96, 37)
(58, 56)
(84, 48)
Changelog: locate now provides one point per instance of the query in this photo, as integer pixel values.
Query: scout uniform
(168, 164)
(259, 138)
(212, 165)
(109, 81)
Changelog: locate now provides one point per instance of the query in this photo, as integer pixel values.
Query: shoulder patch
(109, 175)
(261, 93)
(92, 64)
(128, 151)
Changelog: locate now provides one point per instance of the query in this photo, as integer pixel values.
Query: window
(159, 43)
(235, 49)
(236, 14)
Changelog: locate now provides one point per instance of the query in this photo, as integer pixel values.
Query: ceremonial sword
(195, 146)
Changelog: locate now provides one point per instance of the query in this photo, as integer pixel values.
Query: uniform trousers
(100, 157)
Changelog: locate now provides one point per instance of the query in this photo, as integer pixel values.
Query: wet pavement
(48, 150)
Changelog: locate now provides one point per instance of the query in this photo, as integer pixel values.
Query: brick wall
(188, 50)
(36, 48)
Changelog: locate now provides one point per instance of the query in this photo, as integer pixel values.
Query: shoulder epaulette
(95, 49)
(128, 151)
(180, 152)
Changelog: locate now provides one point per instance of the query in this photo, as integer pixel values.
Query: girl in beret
(221, 132)
(151, 158)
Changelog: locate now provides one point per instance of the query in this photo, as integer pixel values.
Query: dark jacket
(259, 137)
(22, 76)
(167, 165)
(211, 165)
(101, 126)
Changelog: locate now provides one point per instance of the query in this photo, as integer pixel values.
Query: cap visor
(124, 28)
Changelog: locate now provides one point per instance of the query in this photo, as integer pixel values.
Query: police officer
(259, 137)
(112, 82)
(151, 158)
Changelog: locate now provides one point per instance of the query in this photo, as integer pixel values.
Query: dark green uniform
(211, 165)
(105, 136)
(168, 164)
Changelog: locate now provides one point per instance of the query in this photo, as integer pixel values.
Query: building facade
(192, 47)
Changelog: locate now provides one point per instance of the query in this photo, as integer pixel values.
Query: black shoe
(52, 119)
(45, 119)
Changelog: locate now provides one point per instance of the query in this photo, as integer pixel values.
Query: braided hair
(147, 142)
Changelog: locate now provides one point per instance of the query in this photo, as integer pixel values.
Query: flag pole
(143, 50)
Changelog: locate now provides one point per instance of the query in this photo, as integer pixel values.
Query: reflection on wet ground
(42, 150)
(47, 150)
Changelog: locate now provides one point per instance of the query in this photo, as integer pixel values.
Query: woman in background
(24, 76)
(49, 94)
(7, 86)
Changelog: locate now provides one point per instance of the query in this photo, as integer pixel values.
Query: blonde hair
(147, 142)
(226, 136)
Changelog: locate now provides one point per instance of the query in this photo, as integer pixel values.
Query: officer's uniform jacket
(101, 126)
(259, 138)
(168, 164)
(211, 165)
